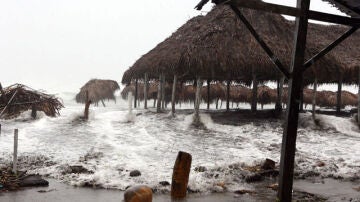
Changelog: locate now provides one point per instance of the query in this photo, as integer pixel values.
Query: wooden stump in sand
(180, 176)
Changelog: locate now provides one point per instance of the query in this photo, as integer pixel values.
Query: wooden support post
(136, 93)
(280, 88)
(197, 121)
(173, 101)
(292, 113)
(359, 99)
(1, 89)
(208, 94)
(146, 87)
(302, 99)
(15, 159)
(33, 111)
(227, 95)
(314, 99)
(180, 176)
(338, 100)
(163, 100)
(254, 94)
(158, 107)
(87, 106)
(217, 103)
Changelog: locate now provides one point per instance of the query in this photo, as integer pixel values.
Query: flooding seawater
(111, 145)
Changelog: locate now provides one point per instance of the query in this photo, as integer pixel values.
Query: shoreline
(304, 190)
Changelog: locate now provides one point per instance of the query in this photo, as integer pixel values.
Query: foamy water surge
(109, 146)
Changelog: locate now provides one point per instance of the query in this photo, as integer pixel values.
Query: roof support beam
(262, 43)
(329, 48)
(291, 11)
(292, 112)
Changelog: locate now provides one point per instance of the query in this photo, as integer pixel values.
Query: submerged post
(173, 96)
(163, 92)
(33, 111)
(87, 106)
(228, 95)
(359, 99)
(254, 94)
(180, 177)
(145, 90)
(338, 100)
(197, 121)
(16, 131)
(292, 113)
(136, 93)
(280, 89)
(158, 106)
(314, 99)
(208, 94)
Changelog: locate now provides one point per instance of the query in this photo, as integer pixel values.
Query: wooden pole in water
(163, 92)
(197, 102)
(292, 112)
(158, 107)
(173, 96)
(359, 99)
(254, 94)
(15, 159)
(136, 93)
(208, 94)
(33, 111)
(180, 176)
(87, 106)
(280, 86)
(228, 95)
(146, 90)
(314, 99)
(338, 100)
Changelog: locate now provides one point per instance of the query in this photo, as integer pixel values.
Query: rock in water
(135, 173)
(268, 165)
(139, 193)
(33, 181)
(164, 183)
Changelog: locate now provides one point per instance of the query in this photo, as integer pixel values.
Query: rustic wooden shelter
(19, 98)
(298, 66)
(97, 90)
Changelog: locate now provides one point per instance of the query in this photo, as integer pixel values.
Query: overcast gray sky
(58, 45)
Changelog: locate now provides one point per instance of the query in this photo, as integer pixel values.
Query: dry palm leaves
(18, 98)
(98, 90)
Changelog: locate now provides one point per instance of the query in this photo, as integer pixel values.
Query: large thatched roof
(98, 90)
(19, 98)
(219, 47)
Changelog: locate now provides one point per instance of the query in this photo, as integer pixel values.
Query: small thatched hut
(98, 90)
(19, 98)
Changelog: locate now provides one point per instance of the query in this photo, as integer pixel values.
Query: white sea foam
(111, 147)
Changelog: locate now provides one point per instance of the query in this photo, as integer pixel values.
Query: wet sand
(332, 190)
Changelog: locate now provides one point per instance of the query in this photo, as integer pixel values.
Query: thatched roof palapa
(98, 90)
(19, 98)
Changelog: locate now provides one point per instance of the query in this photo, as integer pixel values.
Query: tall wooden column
(227, 96)
(280, 90)
(163, 91)
(338, 100)
(254, 94)
(314, 99)
(136, 93)
(146, 87)
(173, 96)
(208, 94)
(292, 112)
(158, 106)
(197, 121)
(359, 99)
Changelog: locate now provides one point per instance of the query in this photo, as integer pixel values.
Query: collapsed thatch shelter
(97, 90)
(19, 98)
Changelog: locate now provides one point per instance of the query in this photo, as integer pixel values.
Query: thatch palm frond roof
(97, 90)
(19, 98)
